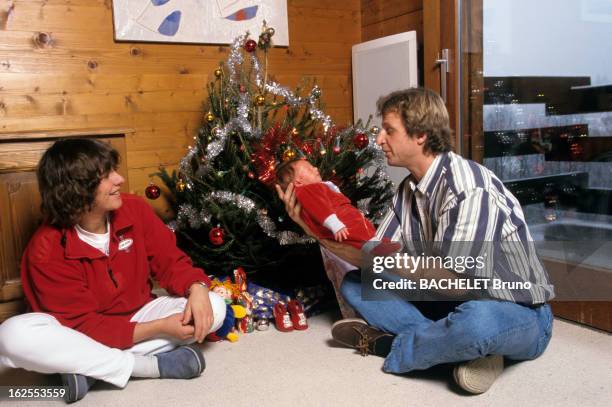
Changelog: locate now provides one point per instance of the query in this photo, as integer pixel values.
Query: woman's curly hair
(68, 174)
(422, 111)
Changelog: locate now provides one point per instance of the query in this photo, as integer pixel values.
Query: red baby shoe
(298, 318)
(281, 318)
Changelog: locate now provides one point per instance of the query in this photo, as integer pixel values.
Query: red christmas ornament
(251, 175)
(336, 150)
(242, 89)
(250, 45)
(361, 141)
(307, 148)
(152, 191)
(216, 236)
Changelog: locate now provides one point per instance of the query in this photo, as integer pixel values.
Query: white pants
(38, 342)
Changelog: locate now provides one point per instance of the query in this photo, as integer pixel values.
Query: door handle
(443, 63)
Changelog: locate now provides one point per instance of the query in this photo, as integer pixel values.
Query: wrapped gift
(243, 297)
(264, 300)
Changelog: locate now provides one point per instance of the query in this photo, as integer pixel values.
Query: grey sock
(145, 366)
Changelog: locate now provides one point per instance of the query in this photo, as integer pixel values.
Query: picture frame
(198, 21)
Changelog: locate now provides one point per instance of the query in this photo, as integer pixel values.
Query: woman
(86, 275)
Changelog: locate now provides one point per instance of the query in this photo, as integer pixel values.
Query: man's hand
(344, 251)
(292, 206)
(341, 235)
(198, 311)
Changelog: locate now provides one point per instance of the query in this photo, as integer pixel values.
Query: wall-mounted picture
(198, 21)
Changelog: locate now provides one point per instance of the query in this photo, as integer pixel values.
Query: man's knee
(350, 289)
(17, 332)
(478, 309)
(491, 324)
(479, 318)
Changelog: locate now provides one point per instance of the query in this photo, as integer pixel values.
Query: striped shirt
(462, 207)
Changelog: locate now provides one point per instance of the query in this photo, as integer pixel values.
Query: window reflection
(547, 112)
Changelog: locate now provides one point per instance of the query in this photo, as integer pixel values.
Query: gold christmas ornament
(260, 100)
(218, 72)
(270, 31)
(180, 186)
(289, 154)
(210, 117)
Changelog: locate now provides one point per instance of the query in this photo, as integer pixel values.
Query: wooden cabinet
(20, 200)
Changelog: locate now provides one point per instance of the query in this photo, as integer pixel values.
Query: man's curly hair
(422, 111)
(68, 175)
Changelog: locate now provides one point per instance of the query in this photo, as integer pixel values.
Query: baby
(325, 210)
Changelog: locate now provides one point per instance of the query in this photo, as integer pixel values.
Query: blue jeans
(470, 330)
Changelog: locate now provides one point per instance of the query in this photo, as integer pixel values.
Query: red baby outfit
(326, 210)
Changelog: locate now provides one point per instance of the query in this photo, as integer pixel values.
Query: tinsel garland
(187, 214)
(235, 58)
(240, 122)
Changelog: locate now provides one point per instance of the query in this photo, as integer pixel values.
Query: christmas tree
(228, 213)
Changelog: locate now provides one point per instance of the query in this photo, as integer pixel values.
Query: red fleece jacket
(98, 294)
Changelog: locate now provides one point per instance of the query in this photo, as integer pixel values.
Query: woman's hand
(170, 326)
(173, 326)
(198, 311)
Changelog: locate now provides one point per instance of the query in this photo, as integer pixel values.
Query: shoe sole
(478, 376)
(201, 362)
(70, 381)
(343, 322)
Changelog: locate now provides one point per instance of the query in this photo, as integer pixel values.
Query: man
(446, 199)
(87, 273)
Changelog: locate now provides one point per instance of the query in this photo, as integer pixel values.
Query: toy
(225, 289)
(246, 325)
(227, 330)
(228, 291)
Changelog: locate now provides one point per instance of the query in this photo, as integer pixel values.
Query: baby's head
(299, 171)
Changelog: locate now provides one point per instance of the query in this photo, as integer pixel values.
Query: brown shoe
(356, 333)
(477, 376)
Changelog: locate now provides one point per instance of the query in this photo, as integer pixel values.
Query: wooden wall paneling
(82, 78)
(432, 44)
(376, 11)
(64, 15)
(381, 18)
(406, 22)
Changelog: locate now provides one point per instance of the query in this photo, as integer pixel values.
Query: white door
(381, 66)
